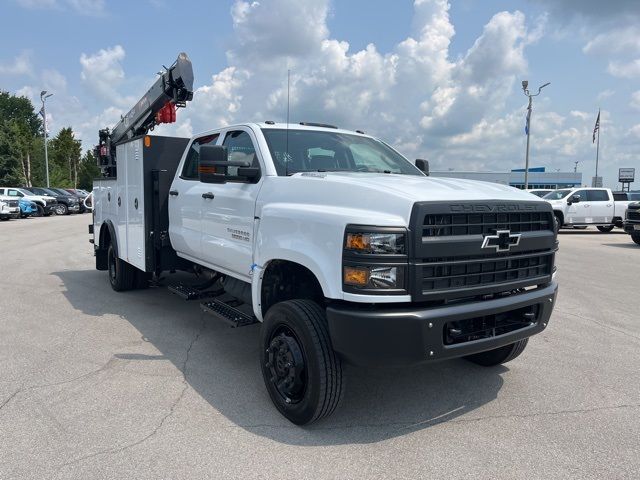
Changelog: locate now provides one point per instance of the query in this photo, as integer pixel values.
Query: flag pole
(598, 146)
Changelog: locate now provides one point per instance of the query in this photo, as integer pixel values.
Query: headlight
(374, 260)
(376, 243)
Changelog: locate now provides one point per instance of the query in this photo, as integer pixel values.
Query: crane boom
(173, 89)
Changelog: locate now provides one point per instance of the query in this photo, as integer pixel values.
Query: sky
(437, 79)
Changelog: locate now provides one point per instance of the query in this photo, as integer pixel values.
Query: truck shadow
(223, 369)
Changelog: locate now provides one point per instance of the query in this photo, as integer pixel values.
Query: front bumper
(74, 208)
(395, 335)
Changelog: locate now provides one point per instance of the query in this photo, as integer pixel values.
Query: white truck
(341, 248)
(9, 208)
(575, 207)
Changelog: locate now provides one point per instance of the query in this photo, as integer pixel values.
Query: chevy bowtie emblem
(502, 241)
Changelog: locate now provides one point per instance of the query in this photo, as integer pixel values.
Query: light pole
(43, 96)
(525, 89)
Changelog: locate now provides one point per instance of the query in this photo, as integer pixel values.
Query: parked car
(632, 221)
(587, 206)
(66, 192)
(44, 203)
(9, 208)
(27, 208)
(81, 194)
(67, 203)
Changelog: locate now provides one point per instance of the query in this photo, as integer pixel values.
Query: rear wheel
(499, 355)
(636, 237)
(302, 373)
(61, 209)
(122, 276)
(605, 228)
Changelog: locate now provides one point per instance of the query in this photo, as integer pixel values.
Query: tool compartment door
(133, 204)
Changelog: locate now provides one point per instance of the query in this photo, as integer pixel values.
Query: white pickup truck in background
(587, 206)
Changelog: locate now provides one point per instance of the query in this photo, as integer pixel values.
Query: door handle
(208, 195)
(173, 192)
(608, 204)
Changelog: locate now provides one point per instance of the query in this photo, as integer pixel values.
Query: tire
(61, 209)
(636, 237)
(302, 373)
(499, 355)
(40, 211)
(122, 276)
(558, 219)
(605, 229)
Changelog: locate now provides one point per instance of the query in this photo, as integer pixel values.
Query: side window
(15, 193)
(582, 194)
(190, 169)
(241, 149)
(620, 197)
(598, 196)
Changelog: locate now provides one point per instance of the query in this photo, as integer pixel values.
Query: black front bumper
(386, 336)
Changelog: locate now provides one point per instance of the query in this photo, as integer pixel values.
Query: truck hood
(382, 199)
(419, 188)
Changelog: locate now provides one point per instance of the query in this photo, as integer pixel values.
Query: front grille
(457, 274)
(633, 215)
(437, 225)
(451, 258)
(14, 203)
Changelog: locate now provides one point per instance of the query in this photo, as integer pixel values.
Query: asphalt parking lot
(96, 384)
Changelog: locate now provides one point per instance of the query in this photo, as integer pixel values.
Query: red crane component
(166, 114)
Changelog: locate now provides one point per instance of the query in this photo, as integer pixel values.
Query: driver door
(579, 212)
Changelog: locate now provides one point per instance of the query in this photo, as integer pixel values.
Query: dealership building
(538, 177)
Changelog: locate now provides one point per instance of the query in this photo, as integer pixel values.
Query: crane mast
(172, 90)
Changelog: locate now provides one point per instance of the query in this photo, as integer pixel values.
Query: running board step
(232, 315)
(191, 293)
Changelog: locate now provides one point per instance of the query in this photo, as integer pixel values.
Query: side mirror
(574, 199)
(212, 164)
(423, 166)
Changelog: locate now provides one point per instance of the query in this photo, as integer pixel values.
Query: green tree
(64, 158)
(20, 127)
(87, 171)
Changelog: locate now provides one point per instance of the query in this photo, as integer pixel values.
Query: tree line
(22, 159)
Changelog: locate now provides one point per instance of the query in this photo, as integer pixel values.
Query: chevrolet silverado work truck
(342, 249)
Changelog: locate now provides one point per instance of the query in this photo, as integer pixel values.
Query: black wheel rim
(286, 365)
(112, 267)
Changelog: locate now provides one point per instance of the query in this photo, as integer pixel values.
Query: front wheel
(605, 228)
(61, 209)
(499, 355)
(302, 373)
(636, 237)
(558, 221)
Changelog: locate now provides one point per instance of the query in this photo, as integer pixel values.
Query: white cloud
(620, 40)
(603, 95)
(21, 65)
(630, 69)
(102, 72)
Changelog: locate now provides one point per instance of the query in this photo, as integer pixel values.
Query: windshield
(540, 193)
(556, 195)
(59, 191)
(322, 151)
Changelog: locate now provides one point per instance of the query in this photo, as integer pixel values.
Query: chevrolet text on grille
(463, 208)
